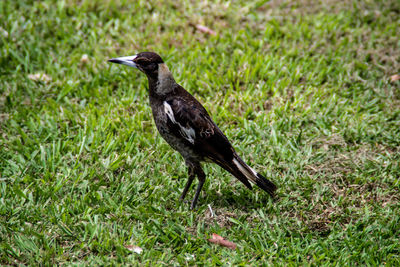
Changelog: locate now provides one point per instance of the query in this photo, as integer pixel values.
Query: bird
(187, 127)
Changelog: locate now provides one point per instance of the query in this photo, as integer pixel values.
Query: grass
(302, 89)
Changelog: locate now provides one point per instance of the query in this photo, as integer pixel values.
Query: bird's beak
(124, 61)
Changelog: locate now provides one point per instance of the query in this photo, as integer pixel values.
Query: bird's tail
(242, 169)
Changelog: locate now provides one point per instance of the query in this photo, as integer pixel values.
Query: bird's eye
(143, 62)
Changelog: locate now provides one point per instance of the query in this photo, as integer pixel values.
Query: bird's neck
(163, 84)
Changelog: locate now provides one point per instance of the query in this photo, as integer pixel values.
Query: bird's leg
(189, 182)
(202, 178)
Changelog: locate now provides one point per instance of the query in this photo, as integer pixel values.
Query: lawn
(305, 90)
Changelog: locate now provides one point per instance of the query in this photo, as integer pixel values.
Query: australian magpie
(186, 126)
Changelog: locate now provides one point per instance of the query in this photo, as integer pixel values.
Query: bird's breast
(161, 121)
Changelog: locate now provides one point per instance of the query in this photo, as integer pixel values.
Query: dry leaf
(135, 249)
(216, 239)
(205, 29)
(84, 58)
(39, 77)
(394, 78)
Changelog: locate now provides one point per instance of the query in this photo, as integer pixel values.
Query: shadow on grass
(244, 200)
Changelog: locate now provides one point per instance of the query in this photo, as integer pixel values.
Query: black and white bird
(186, 126)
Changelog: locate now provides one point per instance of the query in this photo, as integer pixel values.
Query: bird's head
(147, 62)
(160, 78)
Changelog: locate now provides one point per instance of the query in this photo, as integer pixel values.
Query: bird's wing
(189, 120)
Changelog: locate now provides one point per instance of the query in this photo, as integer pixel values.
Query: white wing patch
(187, 132)
(169, 112)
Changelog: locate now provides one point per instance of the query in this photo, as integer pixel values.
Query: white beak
(124, 61)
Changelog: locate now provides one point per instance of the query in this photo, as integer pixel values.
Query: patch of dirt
(348, 203)
(220, 216)
(346, 195)
(302, 6)
(369, 43)
(338, 164)
(321, 227)
(307, 7)
(4, 117)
